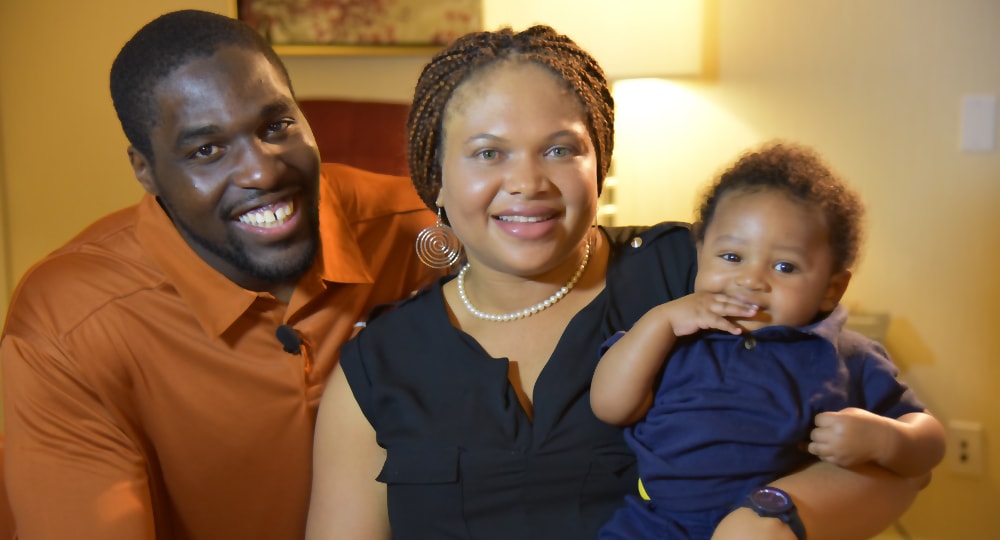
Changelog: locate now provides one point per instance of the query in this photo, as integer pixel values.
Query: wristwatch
(770, 501)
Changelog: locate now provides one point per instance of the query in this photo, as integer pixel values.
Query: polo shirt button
(749, 343)
(636, 242)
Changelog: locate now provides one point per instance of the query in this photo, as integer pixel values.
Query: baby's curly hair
(477, 51)
(801, 173)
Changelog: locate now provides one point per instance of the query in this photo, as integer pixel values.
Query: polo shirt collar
(828, 328)
(340, 252)
(213, 298)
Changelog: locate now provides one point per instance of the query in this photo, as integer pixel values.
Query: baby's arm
(909, 446)
(622, 389)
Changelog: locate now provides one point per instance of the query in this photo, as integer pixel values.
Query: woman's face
(519, 170)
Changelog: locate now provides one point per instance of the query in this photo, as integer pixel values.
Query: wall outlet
(965, 453)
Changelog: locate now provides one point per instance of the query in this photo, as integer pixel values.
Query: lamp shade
(630, 38)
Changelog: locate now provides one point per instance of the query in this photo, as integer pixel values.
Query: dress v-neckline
(540, 423)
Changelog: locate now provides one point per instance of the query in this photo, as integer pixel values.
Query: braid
(477, 51)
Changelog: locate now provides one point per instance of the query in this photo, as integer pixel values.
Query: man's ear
(143, 170)
(835, 289)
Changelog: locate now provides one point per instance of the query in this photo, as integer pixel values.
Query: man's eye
(275, 127)
(205, 151)
(785, 267)
(731, 257)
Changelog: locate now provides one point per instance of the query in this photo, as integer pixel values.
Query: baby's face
(768, 249)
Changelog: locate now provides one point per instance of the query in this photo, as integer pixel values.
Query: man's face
(236, 168)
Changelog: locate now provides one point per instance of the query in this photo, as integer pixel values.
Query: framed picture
(360, 27)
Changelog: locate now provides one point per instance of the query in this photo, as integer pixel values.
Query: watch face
(771, 500)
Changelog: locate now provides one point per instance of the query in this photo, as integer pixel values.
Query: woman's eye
(559, 152)
(488, 154)
(785, 267)
(731, 257)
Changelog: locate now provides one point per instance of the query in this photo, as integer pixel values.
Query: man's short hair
(160, 47)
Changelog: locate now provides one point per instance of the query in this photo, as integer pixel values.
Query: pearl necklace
(527, 312)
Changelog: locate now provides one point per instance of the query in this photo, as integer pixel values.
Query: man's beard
(237, 254)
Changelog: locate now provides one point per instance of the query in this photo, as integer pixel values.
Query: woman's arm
(347, 502)
(834, 503)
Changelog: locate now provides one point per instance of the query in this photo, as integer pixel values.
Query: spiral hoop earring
(437, 245)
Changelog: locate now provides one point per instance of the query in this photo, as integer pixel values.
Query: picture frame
(359, 27)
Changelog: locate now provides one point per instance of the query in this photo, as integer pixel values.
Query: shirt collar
(340, 253)
(216, 301)
(827, 328)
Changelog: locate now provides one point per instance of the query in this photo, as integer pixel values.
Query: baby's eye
(731, 257)
(785, 267)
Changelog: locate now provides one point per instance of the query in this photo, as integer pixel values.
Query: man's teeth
(269, 217)
(521, 219)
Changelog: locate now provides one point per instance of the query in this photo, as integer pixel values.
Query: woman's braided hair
(477, 51)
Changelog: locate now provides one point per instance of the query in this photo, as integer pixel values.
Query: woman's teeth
(521, 219)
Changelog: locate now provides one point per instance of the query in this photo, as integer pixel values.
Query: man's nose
(259, 166)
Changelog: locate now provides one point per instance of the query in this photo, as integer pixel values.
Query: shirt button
(749, 343)
(636, 242)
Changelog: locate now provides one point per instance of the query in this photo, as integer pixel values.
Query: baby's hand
(704, 311)
(849, 437)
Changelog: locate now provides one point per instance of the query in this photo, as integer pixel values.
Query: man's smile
(272, 215)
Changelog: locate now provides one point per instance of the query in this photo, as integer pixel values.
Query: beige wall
(4, 257)
(874, 84)
(66, 162)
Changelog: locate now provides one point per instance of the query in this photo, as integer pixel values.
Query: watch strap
(795, 523)
(790, 516)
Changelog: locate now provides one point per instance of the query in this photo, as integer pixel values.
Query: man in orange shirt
(162, 370)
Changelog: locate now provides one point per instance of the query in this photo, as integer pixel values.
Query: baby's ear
(835, 289)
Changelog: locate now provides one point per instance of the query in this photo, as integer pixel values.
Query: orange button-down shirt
(147, 395)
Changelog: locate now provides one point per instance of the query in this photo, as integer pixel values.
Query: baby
(753, 375)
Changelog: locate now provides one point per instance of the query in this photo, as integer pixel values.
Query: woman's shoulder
(648, 265)
(667, 235)
(411, 312)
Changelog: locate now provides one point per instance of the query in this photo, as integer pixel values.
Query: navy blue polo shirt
(734, 412)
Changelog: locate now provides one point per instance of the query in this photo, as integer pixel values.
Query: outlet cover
(965, 452)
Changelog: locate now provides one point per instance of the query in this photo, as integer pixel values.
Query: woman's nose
(527, 178)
